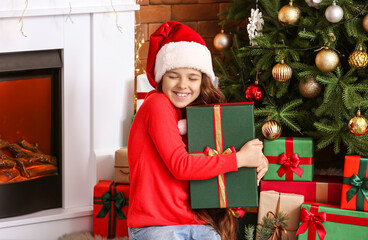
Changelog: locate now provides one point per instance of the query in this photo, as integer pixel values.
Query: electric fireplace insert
(30, 132)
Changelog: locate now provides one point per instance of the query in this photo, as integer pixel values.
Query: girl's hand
(250, 155)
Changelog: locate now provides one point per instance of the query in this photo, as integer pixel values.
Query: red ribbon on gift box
(289, 161)
(313, 219)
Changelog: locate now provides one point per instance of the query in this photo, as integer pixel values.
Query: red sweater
(160, 167)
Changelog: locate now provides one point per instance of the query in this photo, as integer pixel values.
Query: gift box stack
(111, 201)
(349, 220)
(316, 207)
(286, 185)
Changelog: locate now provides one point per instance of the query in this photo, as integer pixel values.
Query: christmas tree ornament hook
(332, 36)
(257, 77)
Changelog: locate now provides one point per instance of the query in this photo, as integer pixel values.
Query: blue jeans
(178, 232)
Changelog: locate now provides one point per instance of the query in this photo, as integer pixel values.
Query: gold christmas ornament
(289, 14)
(365, 23)
(358, 59)
(327, 60)
(309, 88)
(282, 72)
(271, 129)
(358, 125)
(222, 41)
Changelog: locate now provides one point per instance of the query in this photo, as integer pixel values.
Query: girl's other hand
(251, 155)
(262, 169)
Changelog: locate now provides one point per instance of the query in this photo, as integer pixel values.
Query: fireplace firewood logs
(23, 161)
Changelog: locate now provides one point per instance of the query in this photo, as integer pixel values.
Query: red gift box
(110, 209)
(354, 195)
(323, 189)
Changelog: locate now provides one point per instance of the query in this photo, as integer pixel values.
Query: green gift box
(290, 159)
(219, 127)
(324, 222)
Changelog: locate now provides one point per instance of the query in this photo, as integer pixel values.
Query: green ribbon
(119, 203)
(357, 185)
(118, 200)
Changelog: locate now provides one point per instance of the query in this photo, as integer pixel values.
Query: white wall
(98, 77)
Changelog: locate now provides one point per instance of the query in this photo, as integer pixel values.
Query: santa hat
(175, 45)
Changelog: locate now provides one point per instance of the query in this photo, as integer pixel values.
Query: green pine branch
(266, 228)
(343, 91)
(249, 232)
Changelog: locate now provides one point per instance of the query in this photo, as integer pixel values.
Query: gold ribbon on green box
(220, 178)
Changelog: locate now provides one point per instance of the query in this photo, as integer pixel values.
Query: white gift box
(143, 87)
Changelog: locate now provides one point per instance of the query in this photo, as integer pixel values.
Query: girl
(179, 66)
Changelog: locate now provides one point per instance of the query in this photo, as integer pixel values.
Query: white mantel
(97, 92)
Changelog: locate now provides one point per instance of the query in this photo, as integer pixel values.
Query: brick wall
(201, 15)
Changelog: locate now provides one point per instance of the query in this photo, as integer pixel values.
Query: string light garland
(21, 18)
(119, 27)
(70, 12)
(139, 41)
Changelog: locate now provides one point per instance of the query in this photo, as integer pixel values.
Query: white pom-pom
(182, 125)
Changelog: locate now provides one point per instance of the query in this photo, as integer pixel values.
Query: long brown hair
(220, 219)
(209, 93)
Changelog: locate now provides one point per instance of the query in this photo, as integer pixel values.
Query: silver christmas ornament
(334, 13)
(313, 3)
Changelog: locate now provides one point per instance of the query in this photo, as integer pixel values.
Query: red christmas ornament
(254, 92)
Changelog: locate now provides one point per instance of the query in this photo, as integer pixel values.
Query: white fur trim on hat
(183, 55)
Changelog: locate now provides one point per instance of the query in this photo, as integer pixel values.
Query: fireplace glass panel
(30, 132)
(25, 127)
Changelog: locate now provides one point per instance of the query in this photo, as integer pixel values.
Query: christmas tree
(303, 64)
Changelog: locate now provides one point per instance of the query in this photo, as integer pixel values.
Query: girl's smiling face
(182, 86)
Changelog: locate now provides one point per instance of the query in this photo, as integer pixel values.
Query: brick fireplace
(96, 98)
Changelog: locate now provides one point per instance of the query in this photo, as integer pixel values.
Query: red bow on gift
(289, 163)
(313, 222)
(237, 212)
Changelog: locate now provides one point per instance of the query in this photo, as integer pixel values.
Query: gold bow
(277, 233)
(220, 178)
